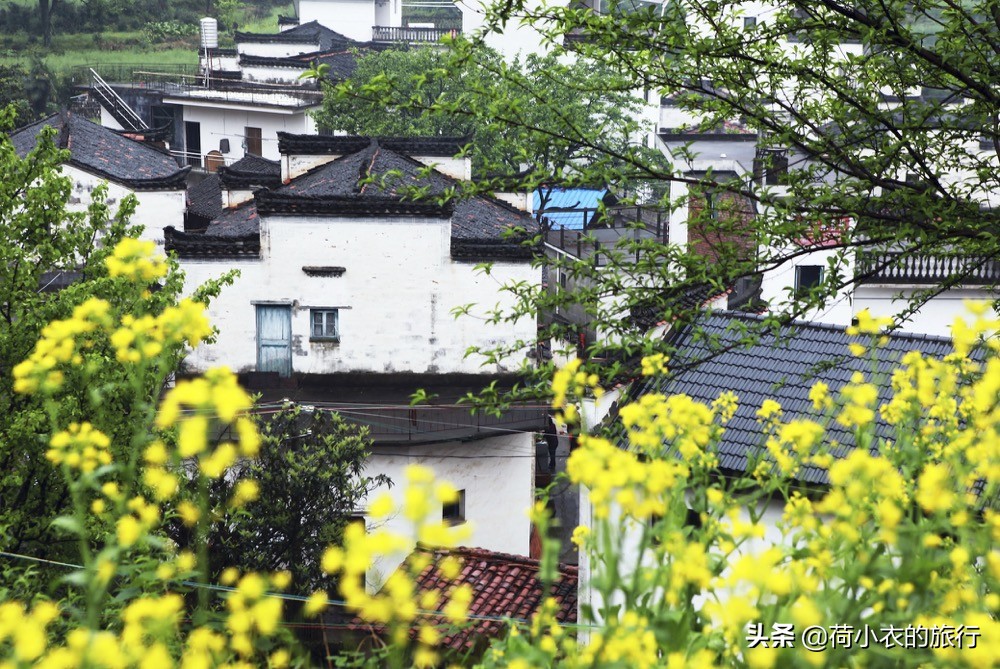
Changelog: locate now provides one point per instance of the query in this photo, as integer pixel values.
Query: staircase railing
(116, 105)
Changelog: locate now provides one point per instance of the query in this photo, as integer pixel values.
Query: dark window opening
(749, 22)
(770, 166)
(254, 141)
(807, 277)
(453, 513)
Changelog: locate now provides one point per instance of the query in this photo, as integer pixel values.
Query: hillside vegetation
(40, 78)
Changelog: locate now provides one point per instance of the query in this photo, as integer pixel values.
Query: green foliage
(42, 243)
(310, 474)
(159, 31)
(229, 13)
(13, 94)
(525, 113)
(889, 127)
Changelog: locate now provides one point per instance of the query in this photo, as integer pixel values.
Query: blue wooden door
(274, 339)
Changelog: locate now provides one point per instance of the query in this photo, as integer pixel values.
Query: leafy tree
(886, 112)
(310, 480)
(13, 94)
(51, 261)
(527, 113)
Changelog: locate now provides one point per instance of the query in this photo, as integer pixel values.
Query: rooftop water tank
(209, 33)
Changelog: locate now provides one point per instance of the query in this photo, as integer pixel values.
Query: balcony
(600, 239)
(898, 268)
(396, 35)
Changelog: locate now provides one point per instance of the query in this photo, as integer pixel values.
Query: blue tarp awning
(570, 207)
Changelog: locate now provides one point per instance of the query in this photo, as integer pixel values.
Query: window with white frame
(324, 324)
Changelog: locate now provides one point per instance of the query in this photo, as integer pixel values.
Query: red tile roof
(503, 586)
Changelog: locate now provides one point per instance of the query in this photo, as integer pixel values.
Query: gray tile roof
(106, 153)
(251, 171)
(781, 367)
(374, 181)
(476, 218)
(204, 199)
(312, 32)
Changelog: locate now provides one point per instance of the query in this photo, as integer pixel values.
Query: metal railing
(133, 73)
(198, 160)
(411, 35)
(116, 105)
(618, 227)
(905, 268)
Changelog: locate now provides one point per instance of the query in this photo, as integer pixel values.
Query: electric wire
(295, 598)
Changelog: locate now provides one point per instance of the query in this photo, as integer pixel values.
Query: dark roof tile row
(106, 153)
(503, 586)
(783, 366)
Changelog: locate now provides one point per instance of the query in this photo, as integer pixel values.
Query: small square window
(453, 513)
(749, 22)
(807, 277)
(325, 325)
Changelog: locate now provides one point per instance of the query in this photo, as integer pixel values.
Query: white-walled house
(239, 99)
(415, 22)
(339, 275)
(345, 301)
(99, 155)
(884, 281)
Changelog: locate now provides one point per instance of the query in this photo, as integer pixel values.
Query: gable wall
(498, 490)
(395, 298)
(155, 210)
(351, 18)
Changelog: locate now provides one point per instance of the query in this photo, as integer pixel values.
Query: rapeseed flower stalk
(396, 606)
(684, 564)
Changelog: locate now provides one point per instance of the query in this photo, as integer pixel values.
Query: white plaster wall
(626, 534)
(523, 201)
(351, 18)
(221, 62)
(284, 75)
(275, 49)
(456, 168)
(497, 475)
(154, 211)
(230, 123)
(293, 165)
(778, 281)
(515, 38)
(231, 198)
(109, 121)
(395, 298)
(934, 318)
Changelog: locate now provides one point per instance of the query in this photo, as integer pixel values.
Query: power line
(296, 598)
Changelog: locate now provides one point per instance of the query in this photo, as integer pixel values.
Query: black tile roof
(106, 153)
(201, 245)
(375, 181)
(251, 171)
(781, 367)
(341, 61)
(339, 145)
(236, 222)
(306, 33)
(204, 199)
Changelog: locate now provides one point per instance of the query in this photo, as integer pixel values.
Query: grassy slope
(73, 50)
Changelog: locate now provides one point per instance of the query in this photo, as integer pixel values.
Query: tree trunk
(45, 10)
